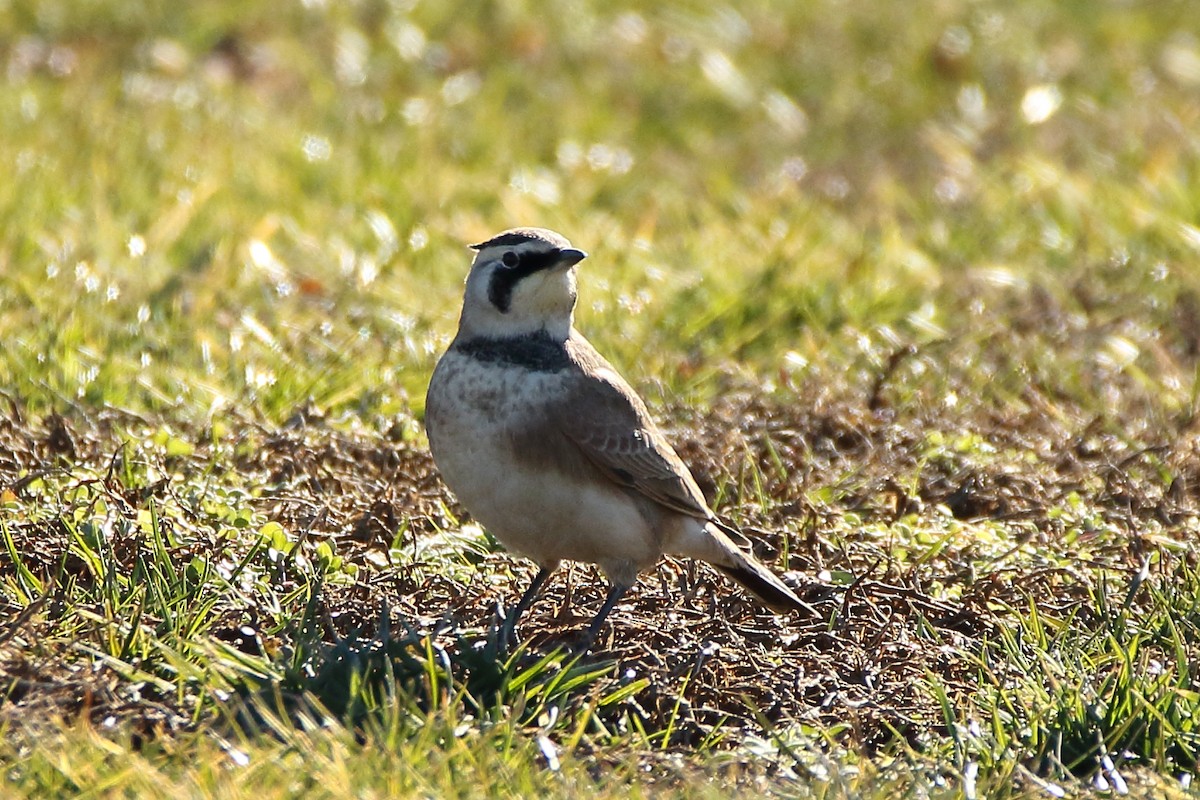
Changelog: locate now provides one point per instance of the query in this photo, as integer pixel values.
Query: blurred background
(268, 203)
(913, 288)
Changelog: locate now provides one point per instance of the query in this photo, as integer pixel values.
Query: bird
(551, 450)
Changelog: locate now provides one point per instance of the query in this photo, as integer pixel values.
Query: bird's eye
(510, 259)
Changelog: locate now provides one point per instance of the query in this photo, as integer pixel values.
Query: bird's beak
(569, 257)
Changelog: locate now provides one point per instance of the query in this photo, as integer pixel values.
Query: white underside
(543, 514)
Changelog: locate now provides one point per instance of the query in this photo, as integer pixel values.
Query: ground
(915, 298)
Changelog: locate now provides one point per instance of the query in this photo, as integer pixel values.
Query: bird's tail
(752, 574)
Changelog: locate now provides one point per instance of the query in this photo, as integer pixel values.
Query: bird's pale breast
(478, 416)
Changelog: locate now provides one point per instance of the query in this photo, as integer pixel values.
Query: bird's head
(521, 281)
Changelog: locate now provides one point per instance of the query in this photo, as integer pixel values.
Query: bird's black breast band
(536, 352)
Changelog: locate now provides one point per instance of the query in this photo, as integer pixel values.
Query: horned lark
(550, 449)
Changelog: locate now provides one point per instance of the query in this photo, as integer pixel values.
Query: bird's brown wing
(610, 425)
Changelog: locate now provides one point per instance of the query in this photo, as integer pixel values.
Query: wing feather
(610, 425)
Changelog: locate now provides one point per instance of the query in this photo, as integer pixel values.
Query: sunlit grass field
(916, 289)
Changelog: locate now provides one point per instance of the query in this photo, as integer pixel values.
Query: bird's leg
(510, 623)
(614, 596)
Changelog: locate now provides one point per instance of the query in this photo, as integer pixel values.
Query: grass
(915, 297)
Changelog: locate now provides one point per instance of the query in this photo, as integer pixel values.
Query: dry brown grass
(716, 664)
